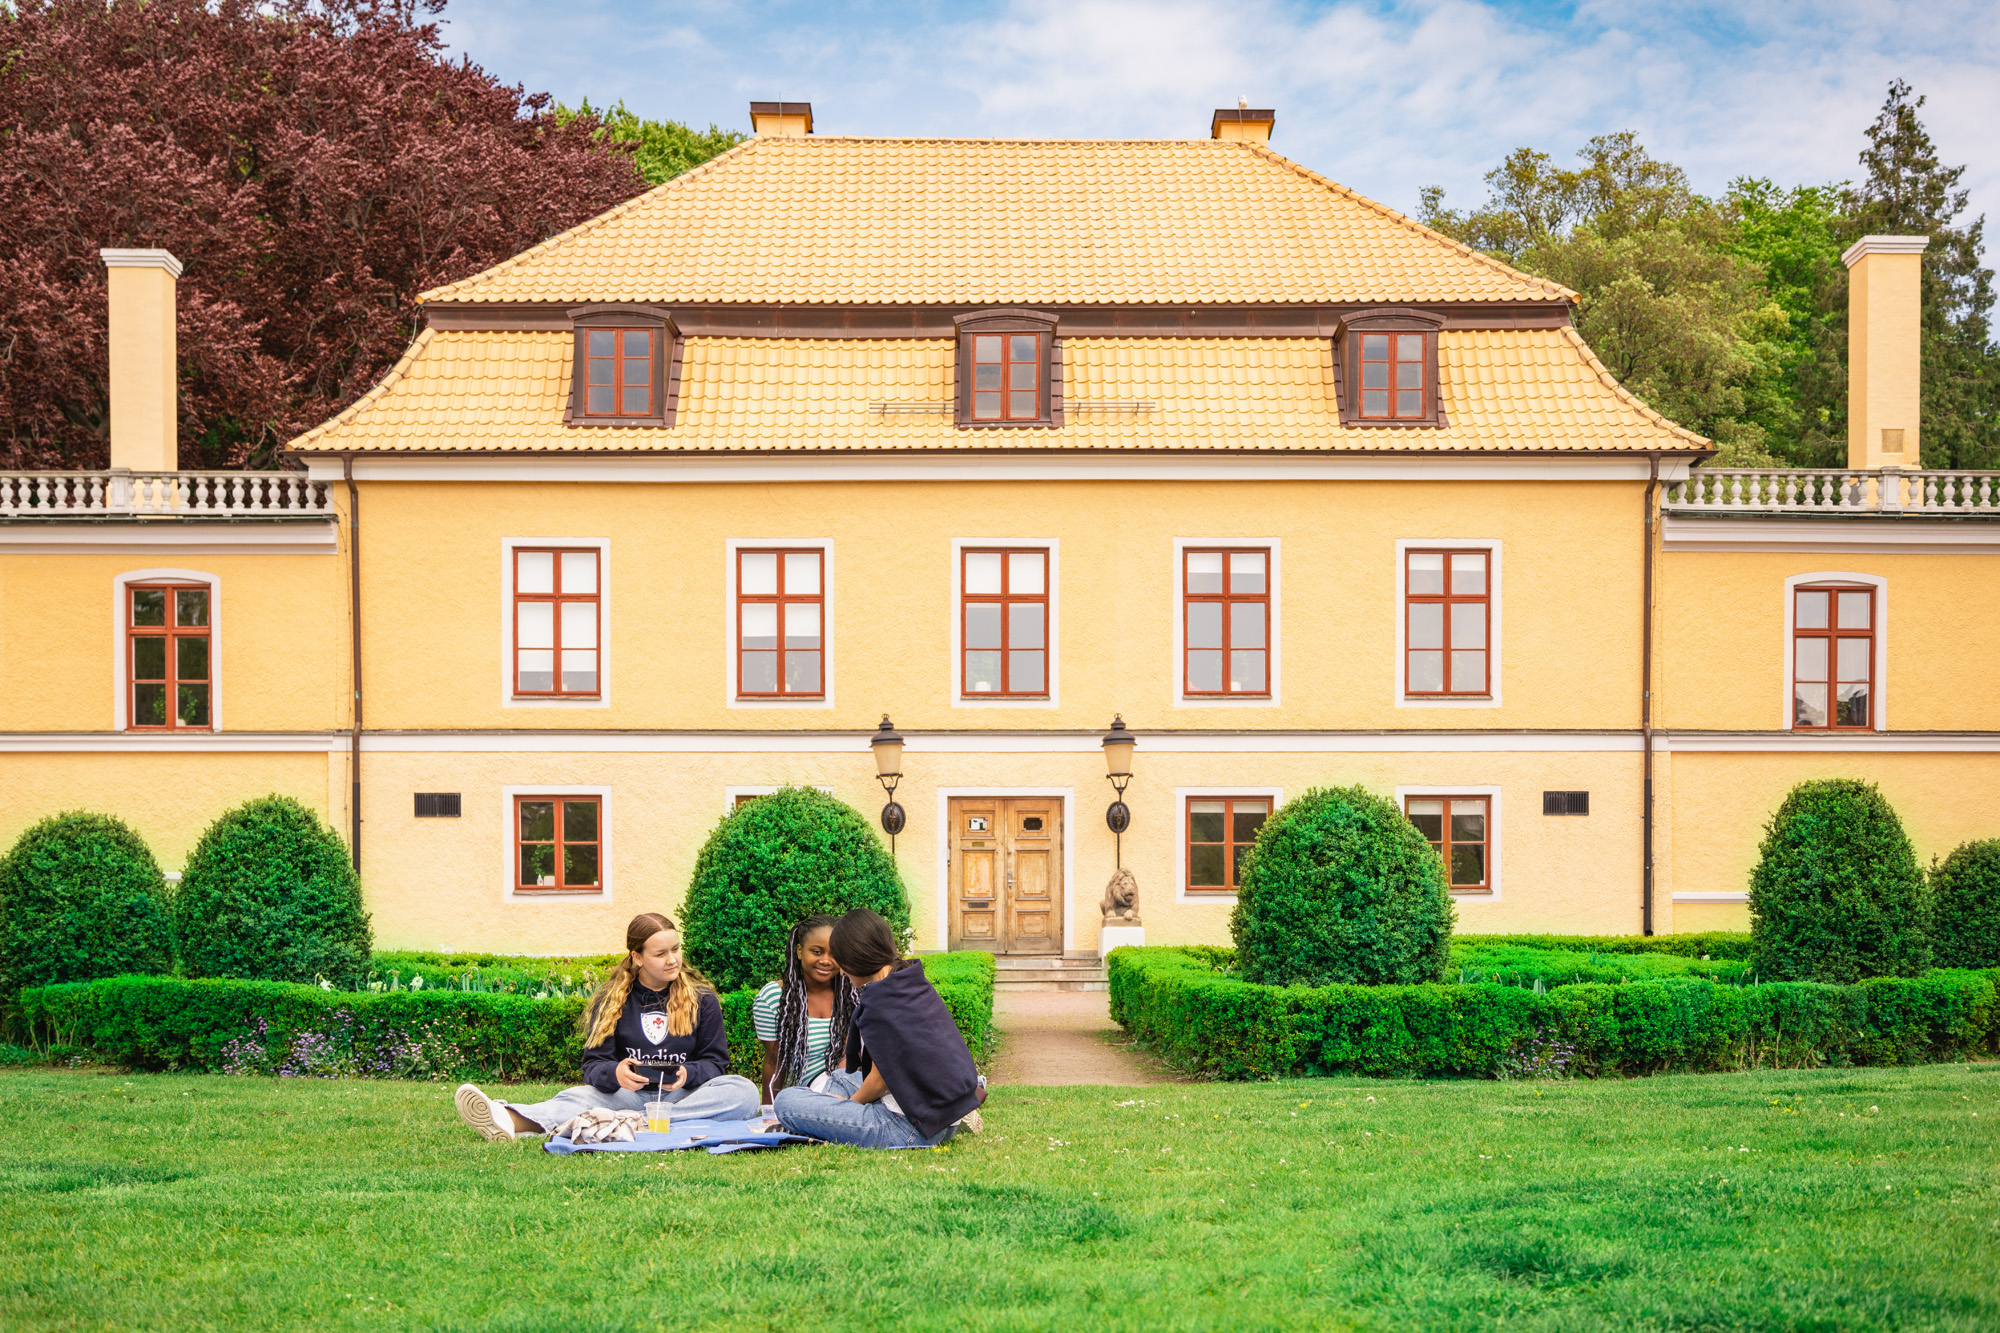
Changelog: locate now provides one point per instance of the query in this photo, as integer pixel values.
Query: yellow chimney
(1884, 358)
(1243, 123)
(144, 402)
(781, 119)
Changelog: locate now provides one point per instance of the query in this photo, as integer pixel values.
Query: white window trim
(1494, 637)
(121, 669)
(1054, 584)
(508, 891)
(824, 545)
(601, 545)
(1880, 703)
(1181, 798)
(729, 794)
(1179, 610)
(1493, 857)
(942, 897)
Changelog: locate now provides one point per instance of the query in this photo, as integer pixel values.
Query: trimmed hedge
(1711, 944)
(81, 897)
(1179, 1003)
(1474, 959)
(1836, 894)
(273, 1027)
(1965, 891)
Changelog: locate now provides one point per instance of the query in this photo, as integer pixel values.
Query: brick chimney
(781, 119)
(1884, 359)
(144, 399)
(1243, 123)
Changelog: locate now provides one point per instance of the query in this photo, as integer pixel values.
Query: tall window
(1220, 830)
(1227, 610)
(1006, 629)
(556, 623)
(557, 841)
(1006, 376)
(618, 372)
(1456, 826)
(1394, 367)
(1449, 612)
(167, 636)
(779, 604)
(1833, 657)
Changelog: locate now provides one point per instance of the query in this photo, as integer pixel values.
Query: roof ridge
(382, 386)
(1625, 395)
(1500, 266)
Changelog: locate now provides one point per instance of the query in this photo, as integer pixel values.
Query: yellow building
(1002, 439)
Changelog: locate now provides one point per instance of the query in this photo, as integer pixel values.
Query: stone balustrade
(1840, 491)
(42, 495)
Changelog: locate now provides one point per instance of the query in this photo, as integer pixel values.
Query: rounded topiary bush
(1965, 906)
(795, 853)
(1837, 894)
(270, 894)
(81, 897)
(1340, 887)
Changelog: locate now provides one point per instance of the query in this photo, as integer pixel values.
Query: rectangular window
(1006, 376)
(1449, 615)
(167, 637)
(1394, 371)
(557, 841)
(1220, 830)
(618, 372)
(556, 623)
(1456, 826)
(1226, 606)
(780, 600)
(1006, 623)
(1833, 658)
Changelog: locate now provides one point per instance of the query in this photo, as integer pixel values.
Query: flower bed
(1182, 1004)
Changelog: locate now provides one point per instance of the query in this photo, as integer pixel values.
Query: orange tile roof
(824, 220)
(1503, 389)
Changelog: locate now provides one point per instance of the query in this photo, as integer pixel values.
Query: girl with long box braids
(802, 1020)
(907, 1080)
(652, 1032)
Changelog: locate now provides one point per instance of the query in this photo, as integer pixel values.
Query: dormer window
(1388, 363)
(626, 367)
(1006, 368)
(618, 372)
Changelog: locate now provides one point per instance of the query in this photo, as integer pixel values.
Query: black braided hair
(792, 1009)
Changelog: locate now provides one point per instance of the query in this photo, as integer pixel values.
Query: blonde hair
(600, 1016)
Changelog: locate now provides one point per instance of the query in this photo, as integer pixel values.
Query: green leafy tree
(1340, 887)
(662, 149)
(81, 897)
(1965, 893)
(1794, 237)
(772, 862)
(1837, 895)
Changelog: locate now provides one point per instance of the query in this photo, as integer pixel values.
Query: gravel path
(1049, 1038)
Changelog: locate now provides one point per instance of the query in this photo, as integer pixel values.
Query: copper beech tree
(313, 165)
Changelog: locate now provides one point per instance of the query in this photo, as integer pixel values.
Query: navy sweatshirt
(642, 1037)
(901, 1027)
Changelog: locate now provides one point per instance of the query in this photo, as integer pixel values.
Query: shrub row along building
(1003, 439)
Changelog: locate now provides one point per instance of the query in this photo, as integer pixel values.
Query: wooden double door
(1006, 874)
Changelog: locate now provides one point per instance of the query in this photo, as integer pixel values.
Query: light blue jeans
(837, 1120)
(724, 1097)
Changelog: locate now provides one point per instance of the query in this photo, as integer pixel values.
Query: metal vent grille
(437, 805)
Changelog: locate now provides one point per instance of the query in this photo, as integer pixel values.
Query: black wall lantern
(1118, 746)
(888, 747)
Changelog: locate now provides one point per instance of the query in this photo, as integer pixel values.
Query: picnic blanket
(718, 1136)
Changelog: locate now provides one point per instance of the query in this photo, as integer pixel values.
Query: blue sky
(1384, 97)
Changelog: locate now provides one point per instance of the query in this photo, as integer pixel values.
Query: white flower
(416, 983)
(324, 984)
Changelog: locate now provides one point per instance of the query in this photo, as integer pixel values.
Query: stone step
(1048, 973)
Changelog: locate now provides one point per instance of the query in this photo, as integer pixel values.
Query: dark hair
(792, 1009)
(862, 943)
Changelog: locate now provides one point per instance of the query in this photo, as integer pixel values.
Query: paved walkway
(1048, 1038)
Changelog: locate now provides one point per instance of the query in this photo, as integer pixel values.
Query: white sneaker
(489, 1119)
(971, 1123)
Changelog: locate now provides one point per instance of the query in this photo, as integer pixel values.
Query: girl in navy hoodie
(652, 1032)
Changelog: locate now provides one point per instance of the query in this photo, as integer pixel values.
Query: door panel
(1006, 874)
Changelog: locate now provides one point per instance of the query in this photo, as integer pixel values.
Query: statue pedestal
(1111, 937)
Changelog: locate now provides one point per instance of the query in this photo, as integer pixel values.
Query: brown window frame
(1831, 635)
(1485, 843)
(173, 633)
(1348, 348)
(663, 381)
(780, 599)
(558, 841)
(558, 598)
(1048, 377)
(1229, 844)
(1190, 597)
(1005, 599)
(1447, 599)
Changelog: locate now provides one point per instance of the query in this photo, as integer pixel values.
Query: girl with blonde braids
(652, 1032)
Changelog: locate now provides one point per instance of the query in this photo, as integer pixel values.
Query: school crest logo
(654, 1025)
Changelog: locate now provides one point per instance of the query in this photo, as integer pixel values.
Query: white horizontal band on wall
(1711, 897)
(318, 535)
(1828, 536)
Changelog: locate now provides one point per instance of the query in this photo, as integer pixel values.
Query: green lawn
(1830, 1200)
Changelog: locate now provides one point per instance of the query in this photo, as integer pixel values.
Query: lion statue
(1121, 899)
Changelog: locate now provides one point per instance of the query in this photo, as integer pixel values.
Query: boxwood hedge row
(1181, 1003)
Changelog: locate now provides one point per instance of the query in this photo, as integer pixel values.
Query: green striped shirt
(764, 1014)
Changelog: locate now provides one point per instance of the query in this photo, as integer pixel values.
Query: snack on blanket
(601, 1126)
